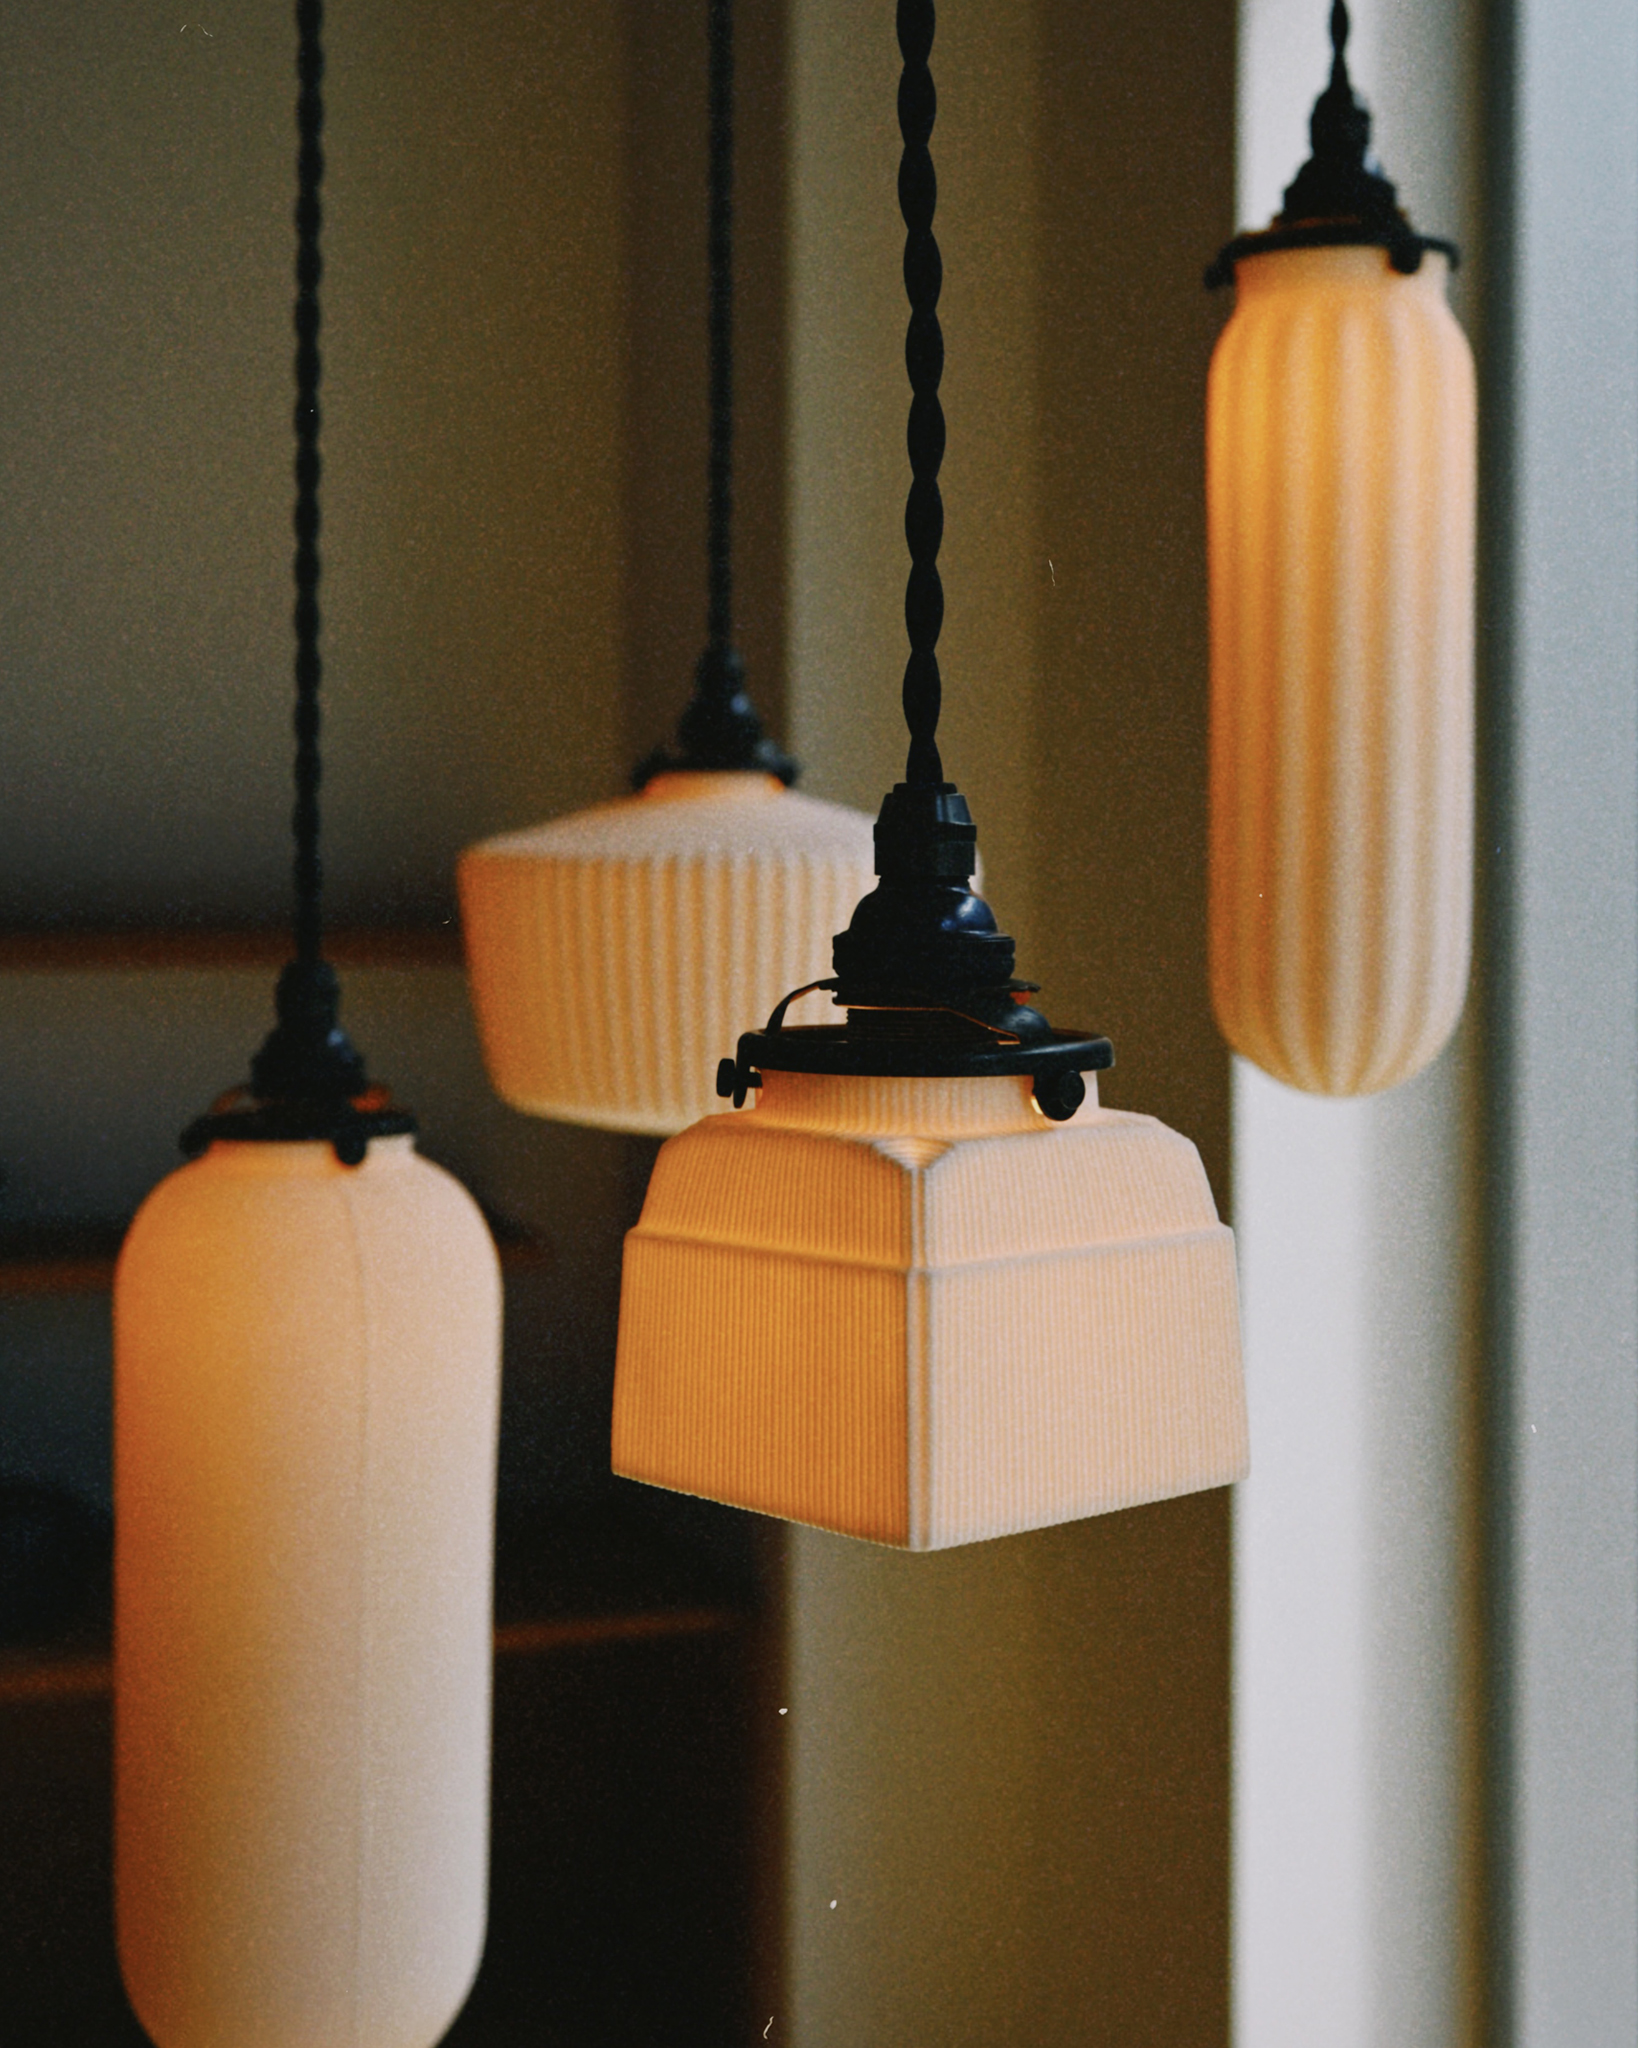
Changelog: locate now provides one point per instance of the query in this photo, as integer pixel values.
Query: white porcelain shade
(306, 1394)
(1340, 497)
(616, 955)
(918, 1312)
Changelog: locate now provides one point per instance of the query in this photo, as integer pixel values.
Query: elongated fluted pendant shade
(1340, 490)
(306, 1363)
(613, 954)
(916, 1311)
(1340, 486)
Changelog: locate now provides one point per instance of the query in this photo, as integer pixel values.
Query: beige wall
(1009, 1764)
(494, 592)
(514, 436)
(666, 423)
(849, 472)
(474, 348)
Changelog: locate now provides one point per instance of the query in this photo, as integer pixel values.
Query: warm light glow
(305, 1405)
(615, 953)
(917, 1311)
(1340, 485)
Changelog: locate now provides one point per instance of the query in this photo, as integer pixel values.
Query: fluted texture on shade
(916, 1311)
(1340, 489)
(617, 954)
(306, 1397)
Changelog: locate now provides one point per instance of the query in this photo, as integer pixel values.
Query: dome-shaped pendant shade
(614, 953)
(915, 1310)
(306, 1360)
(1340, 487)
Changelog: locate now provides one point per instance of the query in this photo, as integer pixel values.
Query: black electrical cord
(308, 1079)
(720, 728)
(924, 360)
(923, 972)
(720, 239)
(1340, 26)
(309, 874)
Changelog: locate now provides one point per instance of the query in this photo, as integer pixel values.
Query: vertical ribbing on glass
(830, 1316)
(1340, 489)
(678, 918)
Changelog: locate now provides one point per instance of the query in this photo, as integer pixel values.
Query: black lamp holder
(1341, 197)
(720, 728)
(308, 1080)
(923, 972)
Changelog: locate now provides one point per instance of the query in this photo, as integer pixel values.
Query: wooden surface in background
(150, 949)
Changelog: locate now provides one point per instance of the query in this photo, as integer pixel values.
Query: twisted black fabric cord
(309, 268)
(924, 360)
(720, 728)
(719, 542)
(1339, 43)
(308, 1080)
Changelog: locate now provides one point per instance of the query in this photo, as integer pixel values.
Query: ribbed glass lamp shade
(916, 1311)
(614, 953)
(307, 1370)
(1340, 489)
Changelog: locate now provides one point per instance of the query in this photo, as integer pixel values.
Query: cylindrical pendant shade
(1340, 488)
(306, 1398)
(613, 954)
(916, 1311)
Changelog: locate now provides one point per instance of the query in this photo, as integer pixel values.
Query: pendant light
(306, 1332)
(926, 1291)
(677, 915)
(1340, 503)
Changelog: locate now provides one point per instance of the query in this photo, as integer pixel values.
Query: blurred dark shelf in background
(635, 1809)
(627, 1804)
(146, 948)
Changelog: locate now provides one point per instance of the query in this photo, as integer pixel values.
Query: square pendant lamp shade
(917, 1310)
(926, 1291)
(613, 953)
(1340, 514)
(306, 1399)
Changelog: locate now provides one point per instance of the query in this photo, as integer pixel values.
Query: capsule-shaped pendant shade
(916, 1311)
(1340, 489)
(613, 954)
(307, 1370)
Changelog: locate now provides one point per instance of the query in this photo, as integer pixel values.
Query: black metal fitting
(720, 730)
(1341, 197)
(921, 926)
(244, 1117)
(919, 1040)
(307, 1082)
(923, 972)
(307, 1054)
(925, 978)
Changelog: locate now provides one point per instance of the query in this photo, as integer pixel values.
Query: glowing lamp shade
(1340, 514)
(1340, 488)
(307, 1365)
(913, 1310)
(612, 954)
